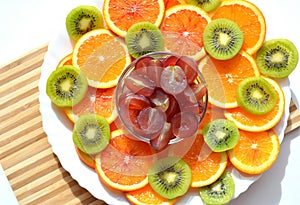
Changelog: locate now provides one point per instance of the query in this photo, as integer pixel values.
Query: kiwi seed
(170, 177)
(222, 39)
(219, 192)
(83, 19)
(221, 135)
(143, 38)
(277, 58)
(206, 5)
(91, 133)
(66, 86)
(256, 95)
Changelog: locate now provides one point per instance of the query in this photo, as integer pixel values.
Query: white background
(28, 24)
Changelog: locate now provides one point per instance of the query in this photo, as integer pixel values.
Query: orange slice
(96, 100)
(250, 20)
(223, 76)
(67, 60)
(170, 3)
(124, 164)
(183, 28)
(102, 57)
(212, 113)
(147, 196)
(207, 166)
(255, 152)
(86, 158)
(257, 123)
(121, 15)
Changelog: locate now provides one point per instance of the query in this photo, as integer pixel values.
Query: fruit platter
(184, 103)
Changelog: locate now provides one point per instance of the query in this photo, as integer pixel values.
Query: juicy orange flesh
(147, 195)
(96, 63)
(253, 149)
(245, 18)
(249, 119)
(203, 162)
(224, 76)
(98, 101)
(185, 27)
(125, 161)
(85, 158)
(125, 13)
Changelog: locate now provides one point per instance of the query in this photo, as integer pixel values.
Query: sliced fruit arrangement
(163, 100)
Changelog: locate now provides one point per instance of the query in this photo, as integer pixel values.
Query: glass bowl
(161, 98)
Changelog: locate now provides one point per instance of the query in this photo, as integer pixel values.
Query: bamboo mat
(34, 172)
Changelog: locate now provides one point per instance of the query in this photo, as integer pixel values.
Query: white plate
(59, 131)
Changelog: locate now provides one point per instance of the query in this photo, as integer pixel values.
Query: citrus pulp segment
(121, 15)
(257, 123)
(124, 164)
(102, 57)
(183, 28)
(207, 166)
(223, 76)
(255, 152)
(250, 20)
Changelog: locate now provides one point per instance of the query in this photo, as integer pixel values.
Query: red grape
(163, 139)
(173, 80)
(184, 124)
(160, 99)
(189, 66)
(170, 61)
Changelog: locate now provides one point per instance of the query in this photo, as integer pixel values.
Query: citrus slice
(101, 56)
(121, 15)
(147, 196)
(170, 3)
(255, 152)
(207, 166)
(86, 158)
(223, 76)
(124, 164)
(183, 28)
(96, 100)
(67, 60)
(250, 20)
(257, 123)
(212, 113)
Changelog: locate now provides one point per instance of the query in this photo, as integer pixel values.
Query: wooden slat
(32, 169)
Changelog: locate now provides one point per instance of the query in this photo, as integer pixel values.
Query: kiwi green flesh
(83, 19)
(143, 38)
(66, 86)
(91, 133)
(277, 58)
(206, 5)
(256, 95)
(221, 135)
(222, 39)
(170, 177)
(219, 192)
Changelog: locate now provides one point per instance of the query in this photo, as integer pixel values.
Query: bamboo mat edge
(32, 169)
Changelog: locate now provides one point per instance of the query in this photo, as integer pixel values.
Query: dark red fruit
(173, 80)
(133, 101)
(200, 90)
(163, 139)
(160, 99)
(189, 66)
(170, 61)
(143, 62)
(184, 124)
(173, 108)
(151, 121)
(138, 82)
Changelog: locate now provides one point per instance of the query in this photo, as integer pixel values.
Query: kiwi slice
(221, 135)
(206, 5)
(222, 39)
(277, 58)
(91, 133)
(143, 38)
(66, 86)
(219, 192)
(256, 95)
(83, 19)
(170, 177)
